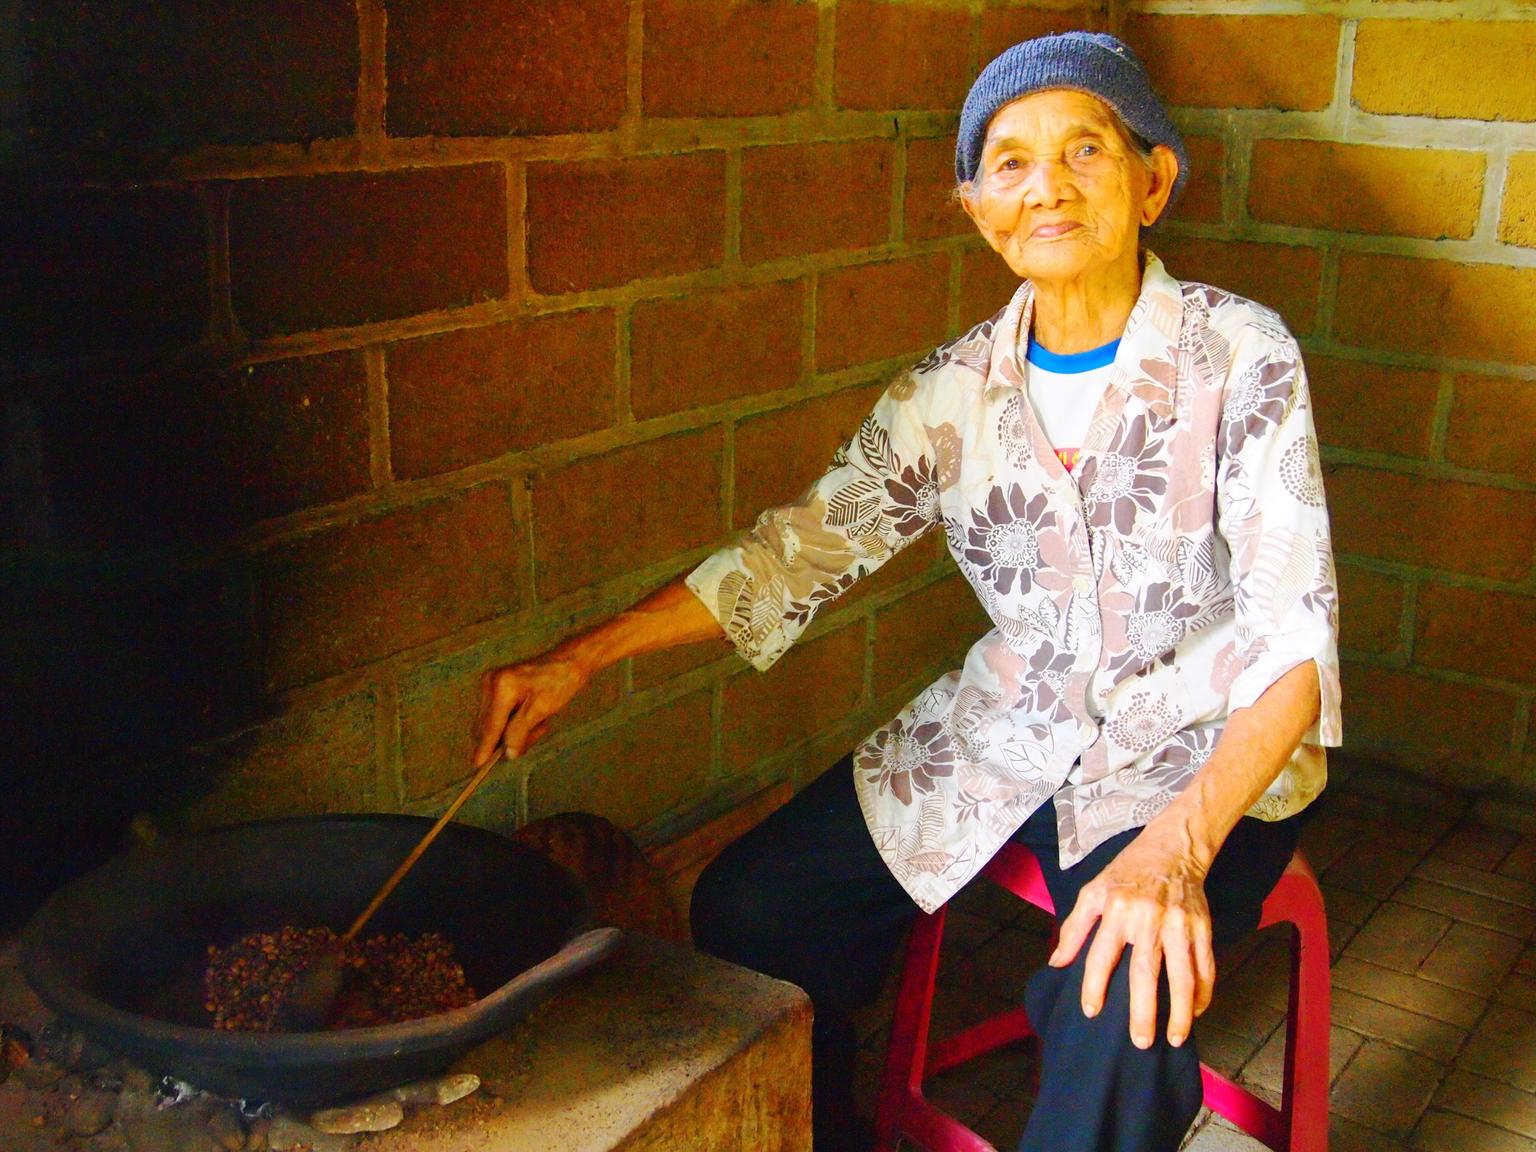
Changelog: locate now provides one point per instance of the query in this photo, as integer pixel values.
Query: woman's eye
(1088, 150)
(1009, 165)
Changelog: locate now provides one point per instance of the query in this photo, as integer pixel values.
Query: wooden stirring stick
(312, 999)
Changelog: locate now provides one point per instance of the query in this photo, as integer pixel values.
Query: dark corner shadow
(125, 621)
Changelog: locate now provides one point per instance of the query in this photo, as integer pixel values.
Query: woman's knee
(732, 913)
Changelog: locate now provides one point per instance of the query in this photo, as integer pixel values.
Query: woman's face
(1061, 193)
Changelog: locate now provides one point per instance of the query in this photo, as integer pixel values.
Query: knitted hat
(1092, 62)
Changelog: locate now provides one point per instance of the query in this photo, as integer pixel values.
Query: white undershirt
(1064, 390)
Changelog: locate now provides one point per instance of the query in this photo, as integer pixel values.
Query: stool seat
(1300, 1124)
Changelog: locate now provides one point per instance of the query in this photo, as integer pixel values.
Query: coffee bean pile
(388, 979)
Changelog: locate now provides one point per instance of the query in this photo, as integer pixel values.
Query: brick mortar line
(824, 75)
(634, 71)
(1522, 734)
(1440, 418)
(376, 399)
(1495, 185)
(648, 137)
(1320, 346)
(1343, 77)
(623, 352)
(1447, 675)
(717, 770)
(1425, 469)
(389, 767)
(1408, 621)
(511, 308)
(665, 137)
(896, 221)
(1460, 134)
(520, 495)
(731, 260)
(1237, 148)
(1407, 572)
(404, 494)
(1471, 252)
(222, 325)
(1457, 134)
(1512, 11)
(725, 513)
(1327, 291)
(372, 80)
(516, 190)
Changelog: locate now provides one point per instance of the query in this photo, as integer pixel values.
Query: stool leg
(1306, 1044)
(907, 1053)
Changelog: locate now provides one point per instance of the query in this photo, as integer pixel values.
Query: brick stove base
(656, 1048)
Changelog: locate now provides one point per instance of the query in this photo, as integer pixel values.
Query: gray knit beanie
(1092, 62)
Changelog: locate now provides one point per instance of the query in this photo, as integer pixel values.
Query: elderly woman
(1125, 470)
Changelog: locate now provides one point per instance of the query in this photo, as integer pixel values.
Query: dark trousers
(805, 897)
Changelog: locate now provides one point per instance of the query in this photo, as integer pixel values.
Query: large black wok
(120, 952)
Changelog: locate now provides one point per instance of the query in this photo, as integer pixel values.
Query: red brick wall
(1370, 174)
(352, 347)
(373, 343)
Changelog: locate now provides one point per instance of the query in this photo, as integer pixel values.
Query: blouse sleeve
(878, 496)
(1272, 514)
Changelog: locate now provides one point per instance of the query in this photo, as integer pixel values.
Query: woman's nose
(1044, 184)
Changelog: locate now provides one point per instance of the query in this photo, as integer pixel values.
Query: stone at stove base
(439, 1090)
(183, 1129)
(90, 1113)
(290, 1135)
(224, 1127)
(136, 1100)
(379, 1114)
(37, 1073)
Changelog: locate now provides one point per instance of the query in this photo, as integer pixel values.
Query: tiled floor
(1432, 909)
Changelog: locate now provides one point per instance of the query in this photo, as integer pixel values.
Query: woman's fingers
(1154, 933)
(525, 726)
(498, 697)
(1103, 955)
(1205, 963)
(1179, 960)
(1072, 931)
(1146, 965)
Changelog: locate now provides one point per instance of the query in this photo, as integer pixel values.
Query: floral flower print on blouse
(1003, 543)
(906, 761)
(1184, 568)
(1128, 478)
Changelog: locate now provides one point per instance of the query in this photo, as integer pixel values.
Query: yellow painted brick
(1239, 61)
(1490, 425)
(1480, 71)
(1362, 188)
(1481, 311)
(1517, 224)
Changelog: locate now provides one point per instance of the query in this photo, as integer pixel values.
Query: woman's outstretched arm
(517, 701)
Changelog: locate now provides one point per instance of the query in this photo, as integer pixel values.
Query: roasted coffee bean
(388, 978)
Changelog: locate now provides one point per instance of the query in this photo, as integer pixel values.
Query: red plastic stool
(1300, 1124)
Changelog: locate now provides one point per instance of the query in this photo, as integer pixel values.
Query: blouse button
(1082, 584)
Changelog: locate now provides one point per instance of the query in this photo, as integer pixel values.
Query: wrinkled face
(1061, 193)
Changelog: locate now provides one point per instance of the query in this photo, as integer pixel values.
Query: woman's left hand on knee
(1152, 898)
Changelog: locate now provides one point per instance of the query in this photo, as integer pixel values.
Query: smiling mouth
(1053, 231)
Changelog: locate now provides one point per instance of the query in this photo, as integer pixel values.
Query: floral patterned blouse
(1180, 571)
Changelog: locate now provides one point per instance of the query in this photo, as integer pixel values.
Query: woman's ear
(1164, 165)
(966, 194)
